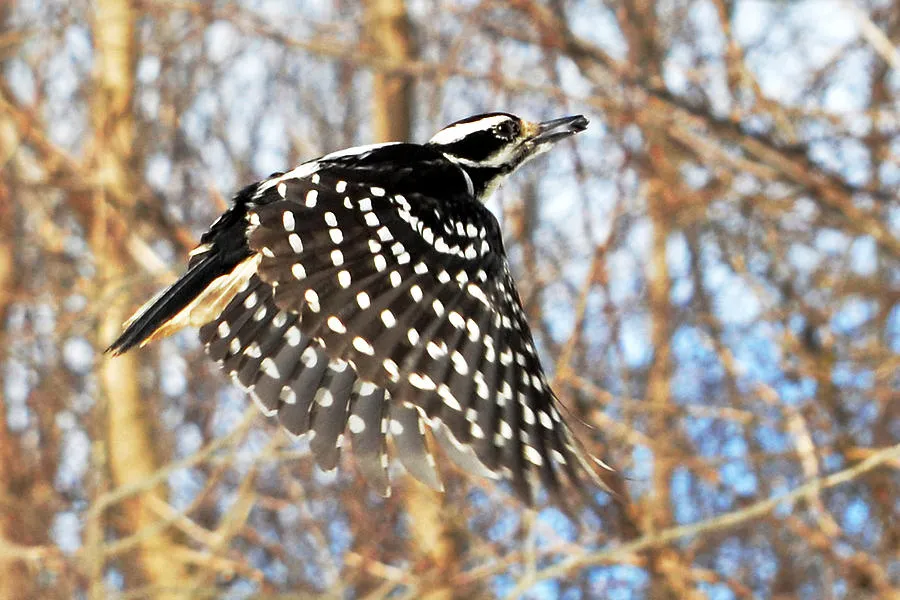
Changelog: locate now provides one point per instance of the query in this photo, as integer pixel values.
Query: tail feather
(195, 299)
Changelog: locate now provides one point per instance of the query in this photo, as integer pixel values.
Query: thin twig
(714, 524)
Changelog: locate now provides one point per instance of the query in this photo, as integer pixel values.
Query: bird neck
(485, 180)
(484, 177)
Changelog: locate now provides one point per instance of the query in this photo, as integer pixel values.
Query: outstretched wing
(376, 311)
(289, 374)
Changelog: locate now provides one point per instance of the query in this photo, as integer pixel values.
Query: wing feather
(368, 425)
(416, 297)
(407, 430)
(330, 413)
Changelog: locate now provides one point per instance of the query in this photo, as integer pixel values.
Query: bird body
(367, 295)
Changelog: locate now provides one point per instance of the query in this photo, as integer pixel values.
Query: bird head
(489, 147)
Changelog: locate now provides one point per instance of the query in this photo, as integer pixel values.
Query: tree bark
(129, 435)
(19, 479)
(389, 34)
(670, 579)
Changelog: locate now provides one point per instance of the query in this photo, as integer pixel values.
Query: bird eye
(507, 130)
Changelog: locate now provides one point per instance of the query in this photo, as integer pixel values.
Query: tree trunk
(389, 34)
(129, 437)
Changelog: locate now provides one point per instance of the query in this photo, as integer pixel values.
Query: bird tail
(198, 297)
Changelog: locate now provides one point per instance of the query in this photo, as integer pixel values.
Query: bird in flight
(366, 295)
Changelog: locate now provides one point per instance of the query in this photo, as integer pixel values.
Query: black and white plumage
(367, 295)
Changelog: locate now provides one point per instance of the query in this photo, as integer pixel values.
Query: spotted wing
(417, 297)
(289, 375)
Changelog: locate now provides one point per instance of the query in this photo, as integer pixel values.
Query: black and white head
(489, 147)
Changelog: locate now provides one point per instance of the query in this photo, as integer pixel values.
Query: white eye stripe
(456, 132)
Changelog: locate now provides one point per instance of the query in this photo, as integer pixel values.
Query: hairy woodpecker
(367, 294)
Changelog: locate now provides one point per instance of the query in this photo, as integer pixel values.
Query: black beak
(557, 129)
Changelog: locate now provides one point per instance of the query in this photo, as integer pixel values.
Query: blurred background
(711, 272)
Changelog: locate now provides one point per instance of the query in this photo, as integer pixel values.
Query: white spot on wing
(423, 382)
(287, 218)
(363, 346)
(312, 299)
(391, 367)
(532, 455)
(270, 368)
(336, 325)
(292, 336)
(356, 424)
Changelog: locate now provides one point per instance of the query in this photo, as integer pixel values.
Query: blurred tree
(128, 445)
